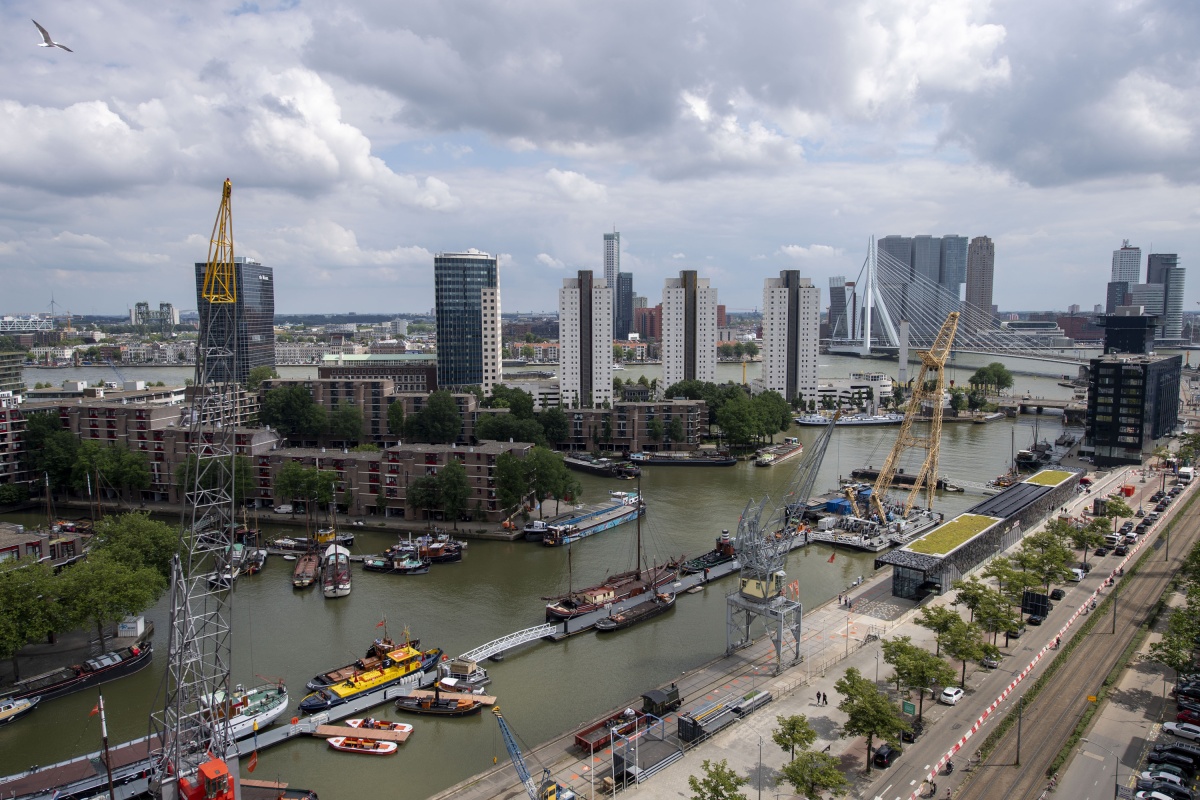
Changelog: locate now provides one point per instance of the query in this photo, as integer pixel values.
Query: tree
(137, 541)
(292, 412)
(346, 423)
(511, 486)
(503, 427)
(13, 493)
(455, 489)
(438, 422)
(675, 429)
(257, 375)
(102, 590)
(971, 593)
(718, 783)
(28, 606)
(964, 642)
(395, 419)
(546, 474)
(773, 413)
(422, 493)
(737, 419)
(793, 732)
(1175, 648)
(916, 667)
(1116, 508)
(750, 349)
(527, 352)
(518, 402)
(654, 429)
(938, 619)
(958, 399)
(1090, 535)
(725, 351)
(810, 774)
(555, 427)
(869, 713)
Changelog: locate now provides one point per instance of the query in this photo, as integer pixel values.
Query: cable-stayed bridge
(889, 297)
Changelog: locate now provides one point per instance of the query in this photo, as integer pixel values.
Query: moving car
(1121, 550)
(1057, 594)
(951, 695)
(991, 663)
(1036, 619)
(1100, 552)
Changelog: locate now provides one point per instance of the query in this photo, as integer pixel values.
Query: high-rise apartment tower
(981, 262)
(791, 324)
(466, 290)
(1164, 269)
(585, 337)
(612, 262)
(689, 329)
(1127, 263)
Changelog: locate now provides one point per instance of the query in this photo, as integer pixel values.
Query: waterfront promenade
(835, 638)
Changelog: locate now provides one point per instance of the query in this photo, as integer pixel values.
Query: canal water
(545, 689)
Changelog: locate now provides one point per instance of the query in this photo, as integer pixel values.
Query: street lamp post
(877, 670)
(760, 768)
(1116, 768)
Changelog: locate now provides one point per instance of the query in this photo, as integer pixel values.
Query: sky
(734, 138)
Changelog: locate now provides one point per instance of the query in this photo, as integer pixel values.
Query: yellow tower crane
(927, 389)
(220, 276)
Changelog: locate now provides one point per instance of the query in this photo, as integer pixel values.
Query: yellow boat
(400, 663)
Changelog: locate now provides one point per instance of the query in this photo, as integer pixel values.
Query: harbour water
(545, 689)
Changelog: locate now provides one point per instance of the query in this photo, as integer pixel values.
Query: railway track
(1049, 719)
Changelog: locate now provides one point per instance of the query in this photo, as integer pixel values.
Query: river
(545, 689)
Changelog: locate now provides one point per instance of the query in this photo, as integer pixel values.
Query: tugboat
(396, 564)
(450, 706)
(726, 550)
(660, 603)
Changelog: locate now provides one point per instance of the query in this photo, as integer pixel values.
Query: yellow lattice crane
(220, 275)
(927, 389)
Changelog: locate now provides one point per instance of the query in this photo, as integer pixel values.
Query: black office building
(255, 314)
(623, 303)
(1133, 400)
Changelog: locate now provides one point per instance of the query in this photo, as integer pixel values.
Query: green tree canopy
(29, 610)
(102, 591)
(964, 642)
(812, 774)
(503, 427)
(511, 485)
(938, 619)
(518, 402)
(395, 419)
(259, 374)
(454, 488)
(438, 422)
(422, 493)
(792, 732)
(738, 420)
(717, 782)
(136, 540)
(868, 712)
(292, 412)
(215, 474)
(346, 422)
(555, 427)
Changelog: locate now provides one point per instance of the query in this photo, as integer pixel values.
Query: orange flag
(831, 555)
(95, 710)
(381, 623)
(253, 762)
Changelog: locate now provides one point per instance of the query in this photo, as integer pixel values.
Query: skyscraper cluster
(1160, 296)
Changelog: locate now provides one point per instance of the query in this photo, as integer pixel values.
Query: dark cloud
(1097, 89)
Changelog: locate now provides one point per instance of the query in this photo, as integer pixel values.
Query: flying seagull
(47, 41)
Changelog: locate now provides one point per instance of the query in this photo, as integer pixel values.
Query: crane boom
(550, 790)
(191, 755)
(924, 391)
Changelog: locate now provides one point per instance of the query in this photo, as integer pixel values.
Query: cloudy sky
(735, 138)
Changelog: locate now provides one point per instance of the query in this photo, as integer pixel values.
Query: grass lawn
(1048, 477)
(942, 540)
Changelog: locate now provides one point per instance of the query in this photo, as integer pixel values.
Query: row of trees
(728, 351)
(68, 463)
(292, 411)
(1176, 649)
(742, 419)
(995, 377)
(126, 571)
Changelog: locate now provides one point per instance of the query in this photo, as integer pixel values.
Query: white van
(1077, 574)
(1113, 539)
(1186, 474)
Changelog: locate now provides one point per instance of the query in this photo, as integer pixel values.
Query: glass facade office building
(467, 303)
(255, 314)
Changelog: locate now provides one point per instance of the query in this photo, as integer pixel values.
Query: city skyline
(363, 138)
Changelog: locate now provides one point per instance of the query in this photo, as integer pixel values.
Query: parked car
(1184, 730)
(885, 755)
(991, 663)
(1100, 552)
(1188, 765)
(1153, 517)
(1185, 704)
(1188, 690)
(1057, 594)
(1170, 769)
(951, 695)
(1036, 619)
(1188, 716)
(1121, 550)
(1140, 513)
(1165, 775)
(1165, 789)
(1179, 746)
